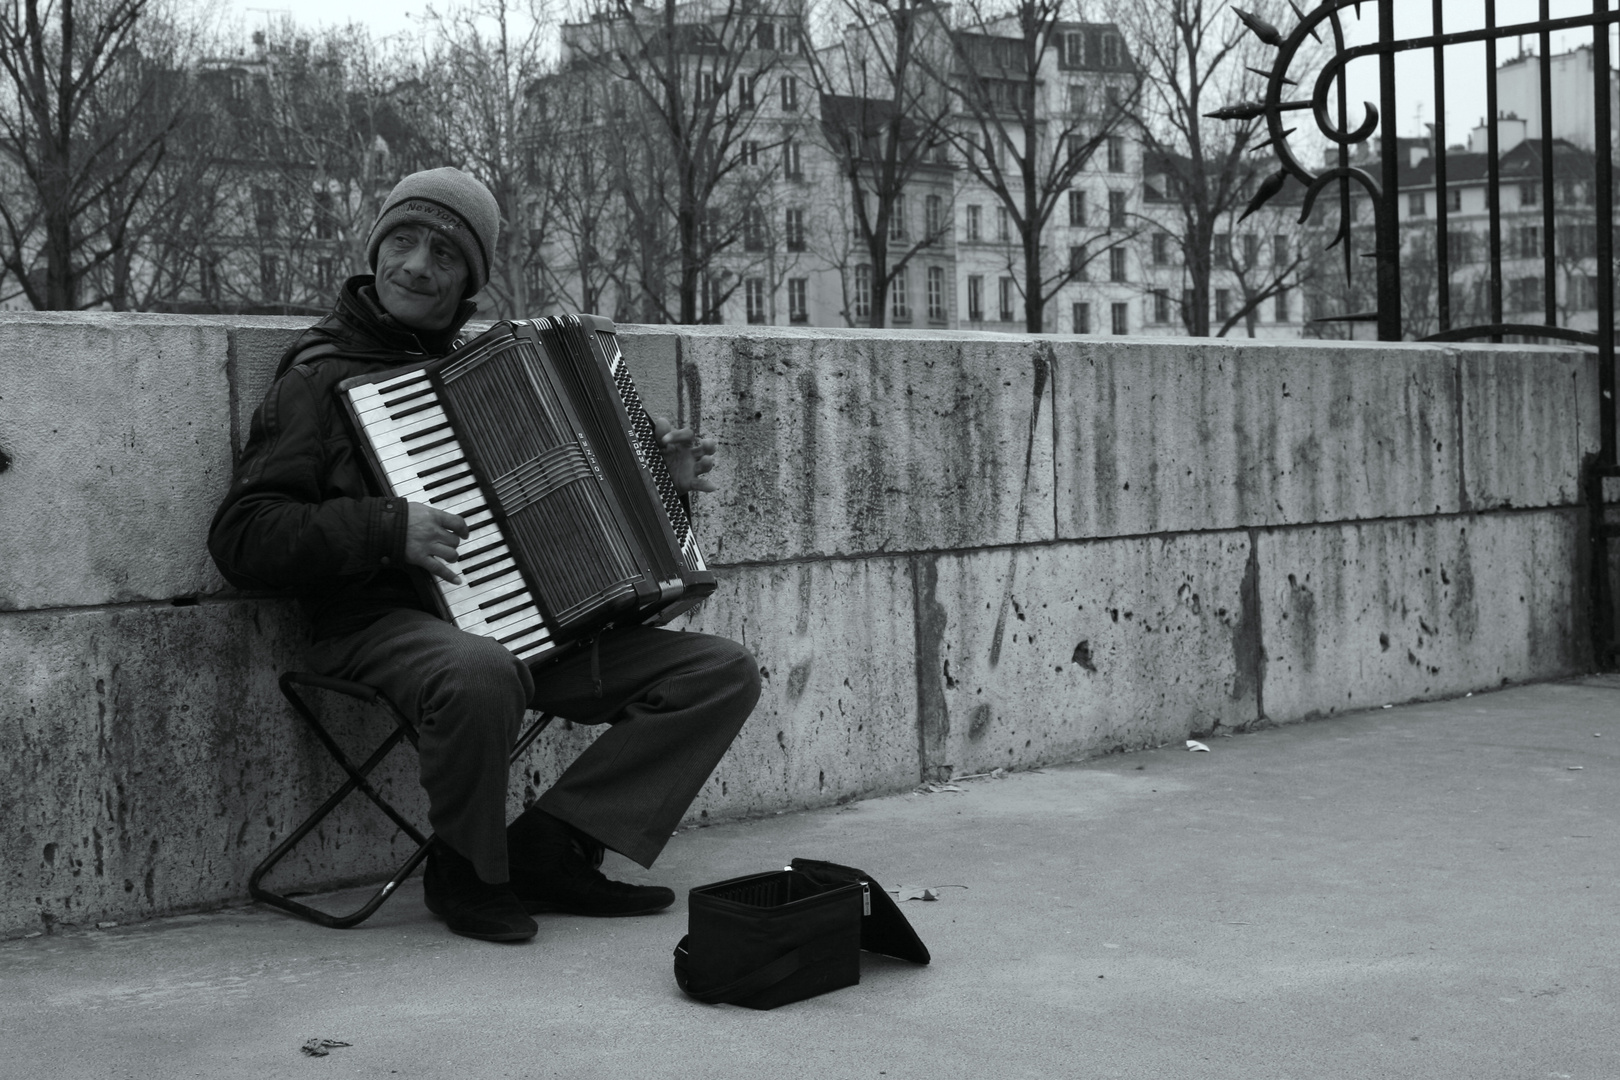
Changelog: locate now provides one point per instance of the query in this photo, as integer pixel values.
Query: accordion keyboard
(423, 462)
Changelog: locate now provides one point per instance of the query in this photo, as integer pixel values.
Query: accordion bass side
(534, 433)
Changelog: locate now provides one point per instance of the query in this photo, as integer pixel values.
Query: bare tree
(1014, 133)
(693, 75)
(85, 112)
(884, 119)
(1196, 57)
(481, 63)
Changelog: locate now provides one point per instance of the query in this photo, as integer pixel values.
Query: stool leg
(357, 781)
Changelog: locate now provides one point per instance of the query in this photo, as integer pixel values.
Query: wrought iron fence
(1569, 181)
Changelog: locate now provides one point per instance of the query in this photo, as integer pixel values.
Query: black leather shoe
(554, 868)
(470, 906)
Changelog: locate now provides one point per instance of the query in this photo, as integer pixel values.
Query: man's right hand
(431, 536)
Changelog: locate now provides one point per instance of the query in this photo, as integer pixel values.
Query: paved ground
(1426, 891)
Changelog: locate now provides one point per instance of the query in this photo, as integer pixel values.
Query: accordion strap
(761, 978)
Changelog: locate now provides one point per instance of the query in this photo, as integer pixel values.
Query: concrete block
(1529, 416)
(849, 443)
(118, 430)
(1051, 653)
(256, 347)
(1359, 615)
(1175, 435)
(148, 762)
(838, 706)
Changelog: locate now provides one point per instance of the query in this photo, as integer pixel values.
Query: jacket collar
(359, 327)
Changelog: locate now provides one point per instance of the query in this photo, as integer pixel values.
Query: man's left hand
(689, 457)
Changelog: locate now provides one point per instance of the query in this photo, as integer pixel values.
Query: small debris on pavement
(1389, 706)
(320, 1047)
(935, 789)
(1194, 744)
(920, 892)
(993, 774)
(1576, 768)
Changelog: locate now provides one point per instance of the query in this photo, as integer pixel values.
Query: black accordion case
(533, 432)
(769, 939)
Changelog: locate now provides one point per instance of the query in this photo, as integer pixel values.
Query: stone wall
(950, 553)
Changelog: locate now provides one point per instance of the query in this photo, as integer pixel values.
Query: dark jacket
(304, 514)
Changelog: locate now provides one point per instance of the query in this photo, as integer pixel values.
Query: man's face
(421, 275)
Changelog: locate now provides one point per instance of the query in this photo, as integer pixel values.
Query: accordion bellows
(535, 435)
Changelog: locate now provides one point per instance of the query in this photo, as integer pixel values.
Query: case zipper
(866, 898)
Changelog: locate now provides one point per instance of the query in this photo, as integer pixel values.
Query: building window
(1161, 249)
(792, 160)
(709, 87)
(267, 275)
(711, 299)
(1077, 99)
(1116, 153)
(900, 296)
(745, 91)
(897, 218)
(1529, 194)
(1524, 294)
(1074, 49)
(1221, 251)
(795, 229)
(1251, 250)
(936, 294)
(750, 152)
(1006, 289)
(974, 216)
(863, 291)
(1003, 225)
(1116, 264)
(754, 229)
(1454, 199)
(933, 219)
(1223, 304)
(1528, 241)
(798, 299)
(1120, 317)
(1417, 204)
(1077, 207)
(765, 36)
(790, 94)
(1111, 50)
(976, 298)
(1280, 314)
(1459, 248)
(1161, 305)
(1082, 318)
(754, 294)
(1279, 251)
(1077, 262)
(1116, 209)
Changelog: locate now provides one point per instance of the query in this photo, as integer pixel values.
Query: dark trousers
(674, 700)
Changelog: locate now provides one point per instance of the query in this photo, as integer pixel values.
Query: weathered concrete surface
(1162, 437)
(1524, 427)
(1364, 614)
(1423, 892)
(837, 715)
(1048, 653)
(118, 432)
(838, 443)
(149, 763)
(900, 513)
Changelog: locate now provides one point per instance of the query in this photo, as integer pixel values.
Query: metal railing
(1560, 169)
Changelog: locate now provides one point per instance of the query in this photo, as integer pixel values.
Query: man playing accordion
(305, 516)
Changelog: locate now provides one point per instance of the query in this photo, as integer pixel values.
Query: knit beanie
(454, 203)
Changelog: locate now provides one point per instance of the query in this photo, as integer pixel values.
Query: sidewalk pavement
(1423, 891)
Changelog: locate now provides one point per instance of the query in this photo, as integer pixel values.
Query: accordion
(533, 433)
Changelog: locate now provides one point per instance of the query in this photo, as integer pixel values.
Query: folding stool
(403, 729)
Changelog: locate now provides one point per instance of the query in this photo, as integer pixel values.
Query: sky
(1465, 64)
